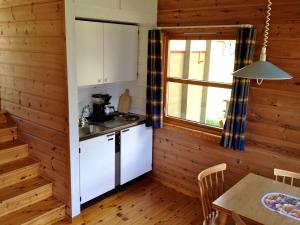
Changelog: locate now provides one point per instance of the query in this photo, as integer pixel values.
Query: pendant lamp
(262, 69)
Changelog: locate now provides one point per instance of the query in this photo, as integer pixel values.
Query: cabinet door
(97, 166)
(120, 52)
(136, 152)
(89, 52)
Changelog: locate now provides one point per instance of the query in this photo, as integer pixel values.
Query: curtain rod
(206, 26)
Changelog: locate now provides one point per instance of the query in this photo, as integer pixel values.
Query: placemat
(284, 204)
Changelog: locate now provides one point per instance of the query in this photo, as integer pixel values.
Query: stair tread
(8, 124)
(22, 187)
(31, 212)
(11, 144)
(17, 164)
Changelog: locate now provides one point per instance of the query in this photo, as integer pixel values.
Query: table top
(245, 199)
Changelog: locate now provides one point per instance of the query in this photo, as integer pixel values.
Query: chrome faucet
(82, 120)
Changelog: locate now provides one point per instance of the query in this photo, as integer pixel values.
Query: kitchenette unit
(106, 48)
(113, 153)
(115, 145)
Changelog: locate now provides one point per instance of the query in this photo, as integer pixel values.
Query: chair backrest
(237, 219)
(286, 174)
(211, 185)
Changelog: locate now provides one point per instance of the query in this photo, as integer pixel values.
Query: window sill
(195, 127)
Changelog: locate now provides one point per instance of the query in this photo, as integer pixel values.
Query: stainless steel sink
(122, 121)
(91, 129)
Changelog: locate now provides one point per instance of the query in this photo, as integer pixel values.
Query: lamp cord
(267, 25)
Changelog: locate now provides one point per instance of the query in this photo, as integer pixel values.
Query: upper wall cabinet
(106, 52)
(89, 52)
(120, 52)
(127, 11)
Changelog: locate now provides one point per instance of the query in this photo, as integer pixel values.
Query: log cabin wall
(33, 83)
(273, 120)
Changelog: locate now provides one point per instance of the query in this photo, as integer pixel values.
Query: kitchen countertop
(94, 129)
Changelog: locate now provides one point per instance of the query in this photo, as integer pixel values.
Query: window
(198, 80)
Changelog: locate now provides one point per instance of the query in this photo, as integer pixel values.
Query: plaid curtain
(233, 135)
(154, 103)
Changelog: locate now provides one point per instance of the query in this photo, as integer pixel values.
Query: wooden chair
(286, 174)
(237, 219)
(211, 185)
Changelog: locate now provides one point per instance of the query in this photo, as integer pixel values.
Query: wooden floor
(146, 202)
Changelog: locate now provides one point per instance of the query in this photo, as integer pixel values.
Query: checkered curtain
(154, 105)
(233, 135)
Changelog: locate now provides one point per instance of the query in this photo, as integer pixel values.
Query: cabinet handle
(123, 131)
(105, 79)
(99, 80)
(110, 139)
(109, 135)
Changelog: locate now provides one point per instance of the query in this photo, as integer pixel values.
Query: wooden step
(22, 194)
(8, 131)
(44, 212)
(3, 117)
(12, 150)
(17, 171)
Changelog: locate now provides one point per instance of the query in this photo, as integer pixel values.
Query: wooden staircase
(25, 197)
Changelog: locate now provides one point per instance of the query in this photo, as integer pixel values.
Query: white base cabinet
(136, 152)
(98, 160)
(97, 166)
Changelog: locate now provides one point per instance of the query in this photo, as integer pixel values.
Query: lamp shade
(262, 70)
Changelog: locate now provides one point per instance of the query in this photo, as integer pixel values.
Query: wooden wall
(33, 82)
(273, 124)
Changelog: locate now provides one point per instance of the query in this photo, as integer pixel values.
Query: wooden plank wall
(33, 82)
(273, 130)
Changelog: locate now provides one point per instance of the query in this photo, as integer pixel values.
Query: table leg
(223, 218)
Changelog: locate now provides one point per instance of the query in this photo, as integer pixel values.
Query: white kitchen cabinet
(97, 166)
(120, 52)
(136, 152)
(89, 57)
(127, 11)
(106, 52)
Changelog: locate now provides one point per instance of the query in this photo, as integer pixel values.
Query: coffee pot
(99, 102)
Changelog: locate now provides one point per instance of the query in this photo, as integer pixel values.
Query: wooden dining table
(245, 199)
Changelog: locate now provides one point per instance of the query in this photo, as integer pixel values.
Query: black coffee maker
(99, 102)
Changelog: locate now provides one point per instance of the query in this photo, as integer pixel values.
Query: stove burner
(101, 118)
(113, 116)
(132, 117)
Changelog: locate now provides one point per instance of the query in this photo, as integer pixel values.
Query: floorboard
(145, 202)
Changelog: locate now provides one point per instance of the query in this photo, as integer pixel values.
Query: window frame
(226, 33)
